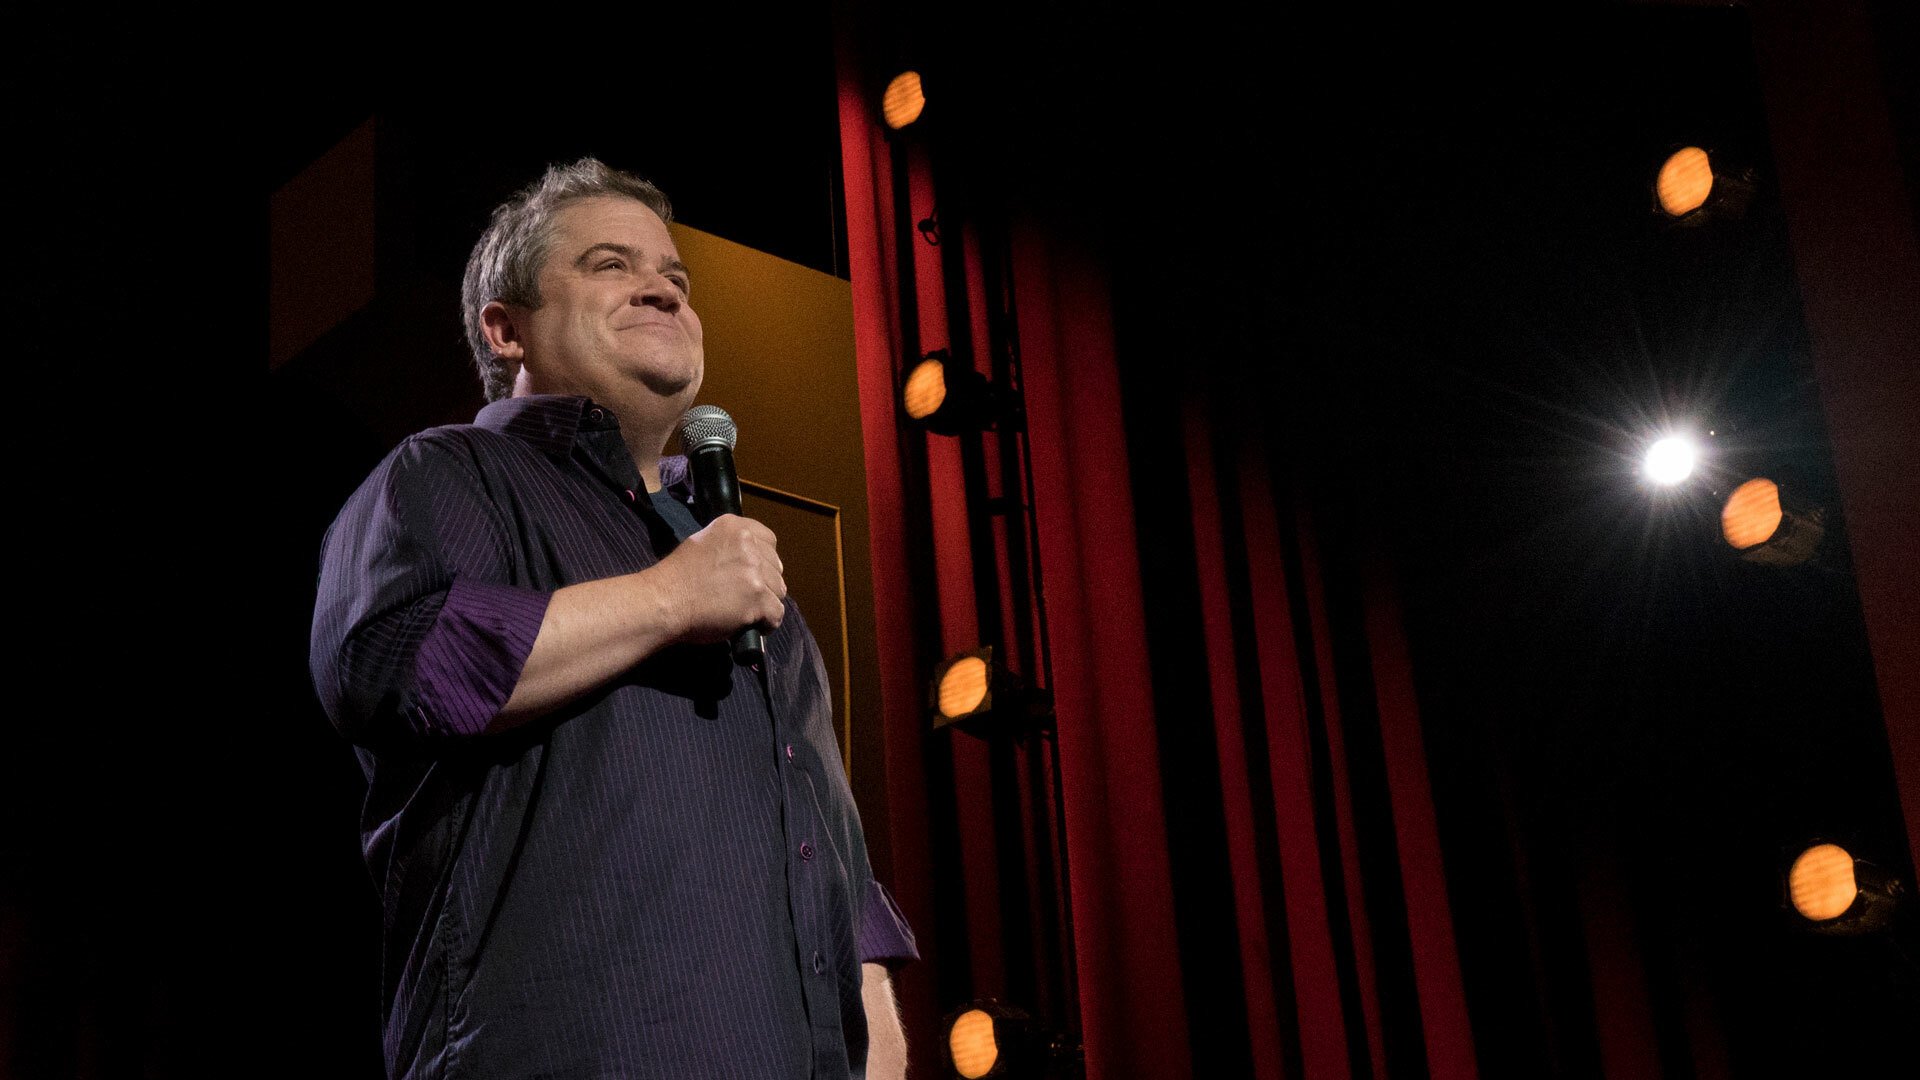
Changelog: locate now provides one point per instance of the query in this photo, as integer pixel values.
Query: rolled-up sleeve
(884, 936)
(418, 628)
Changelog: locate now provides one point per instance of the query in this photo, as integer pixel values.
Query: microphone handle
(717, 491)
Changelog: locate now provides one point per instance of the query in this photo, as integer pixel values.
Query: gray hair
(505, 264)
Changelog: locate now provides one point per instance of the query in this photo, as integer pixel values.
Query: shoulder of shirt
(439, 452)
(468, 444)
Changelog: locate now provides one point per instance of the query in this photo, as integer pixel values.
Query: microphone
(707, 434)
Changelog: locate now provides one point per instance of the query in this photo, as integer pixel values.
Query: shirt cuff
(472, 656)
(885, 937)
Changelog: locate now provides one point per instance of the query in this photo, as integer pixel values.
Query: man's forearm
(886, 1039)
(592, 632)
(722, 578)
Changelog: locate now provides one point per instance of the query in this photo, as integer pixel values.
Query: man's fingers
(741, 576)
(756, 529)
(773, 607)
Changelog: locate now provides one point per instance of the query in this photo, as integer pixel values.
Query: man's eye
(615, 263)
(680, 283)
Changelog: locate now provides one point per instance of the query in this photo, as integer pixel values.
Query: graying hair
(505, 264)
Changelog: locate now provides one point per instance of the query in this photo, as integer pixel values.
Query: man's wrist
(659, 593)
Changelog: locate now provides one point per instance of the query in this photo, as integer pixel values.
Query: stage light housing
(1821, 883)
(948, 397)
(903, 101)
(1694, 186)
(1767, 527)
(973, 692)
(1834, 892)
(989, 1039)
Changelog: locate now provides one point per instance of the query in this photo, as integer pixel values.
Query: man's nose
(655, 290)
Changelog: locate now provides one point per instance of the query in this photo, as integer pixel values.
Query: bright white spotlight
(1670, 460)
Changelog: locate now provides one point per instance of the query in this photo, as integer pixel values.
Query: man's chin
(672, 384)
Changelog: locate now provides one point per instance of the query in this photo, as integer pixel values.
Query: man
(603, 849)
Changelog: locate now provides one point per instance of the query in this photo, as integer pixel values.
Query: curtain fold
(1132, 1009)
(1359, 879)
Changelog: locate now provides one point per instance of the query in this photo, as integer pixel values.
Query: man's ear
(502, 333)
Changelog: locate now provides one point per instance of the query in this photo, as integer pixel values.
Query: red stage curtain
(1344, 963)
(1317, 733)
(1125, 940)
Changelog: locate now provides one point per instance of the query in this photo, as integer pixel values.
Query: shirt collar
(556, 423)
(551, 422)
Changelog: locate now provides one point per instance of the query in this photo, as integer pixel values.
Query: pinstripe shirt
(668, 878)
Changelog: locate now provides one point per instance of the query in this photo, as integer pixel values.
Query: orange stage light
(1822, 883)
(1685, 181)
(902, 102)
(972, 1044)
(1752, 513)
(926, 389)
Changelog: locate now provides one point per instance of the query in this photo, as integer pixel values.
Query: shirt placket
(806, 897)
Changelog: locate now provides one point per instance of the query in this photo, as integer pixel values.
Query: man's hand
(724, 578)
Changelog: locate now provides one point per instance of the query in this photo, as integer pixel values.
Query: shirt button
(789, 751)
(806, 850)
(819, 962)
(596, 415)
(631, 497)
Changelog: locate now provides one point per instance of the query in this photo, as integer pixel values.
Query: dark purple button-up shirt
(668, 878)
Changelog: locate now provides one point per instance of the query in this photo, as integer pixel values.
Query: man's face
(614, 309)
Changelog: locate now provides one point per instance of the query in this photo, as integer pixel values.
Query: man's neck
(647, 422)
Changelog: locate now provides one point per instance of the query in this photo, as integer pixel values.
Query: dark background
(1432, 247)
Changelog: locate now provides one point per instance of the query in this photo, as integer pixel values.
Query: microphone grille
(707, 425)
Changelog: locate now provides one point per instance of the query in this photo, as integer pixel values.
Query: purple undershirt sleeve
(884, 936)
(472, 656)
